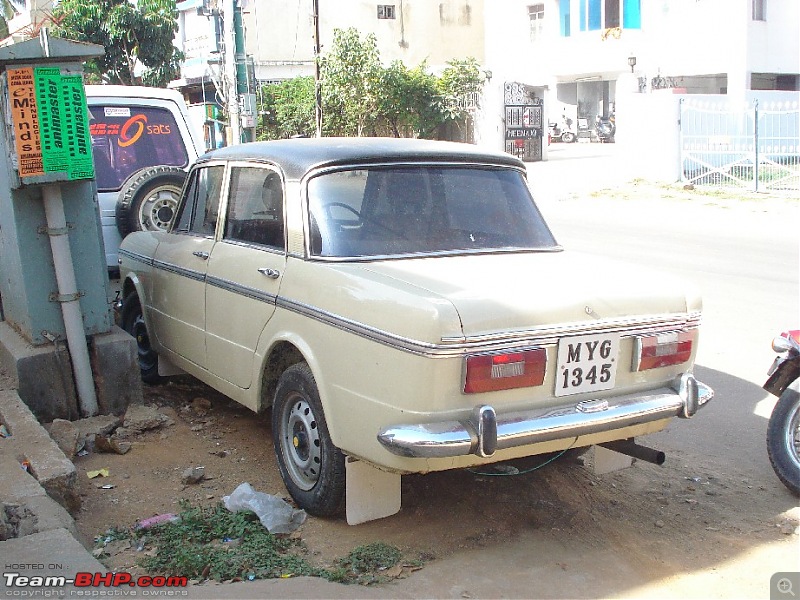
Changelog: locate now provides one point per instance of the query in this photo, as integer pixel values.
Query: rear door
(181, 262)
(245, 271)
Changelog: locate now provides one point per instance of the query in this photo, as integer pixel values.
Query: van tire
(149, 198)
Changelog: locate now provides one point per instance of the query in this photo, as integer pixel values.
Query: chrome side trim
(135, 256)
(448, 439)
(242, 290)
(455, 346)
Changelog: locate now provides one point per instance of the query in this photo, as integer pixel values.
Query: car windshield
(388, 211)
(126, 139)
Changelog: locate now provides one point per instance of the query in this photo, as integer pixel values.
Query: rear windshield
(126, 139)
(387, 211)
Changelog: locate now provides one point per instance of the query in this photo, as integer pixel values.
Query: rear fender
(784, 375)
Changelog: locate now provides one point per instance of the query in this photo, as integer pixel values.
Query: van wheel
(133, 323)
(312, 468)
(149, 198)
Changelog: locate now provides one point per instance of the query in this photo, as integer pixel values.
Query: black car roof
(297, 156)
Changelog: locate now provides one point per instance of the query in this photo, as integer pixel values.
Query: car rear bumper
(486, 432)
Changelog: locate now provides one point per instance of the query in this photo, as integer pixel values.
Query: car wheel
(567, 137)
(312, 468)
(149, 198)
(133, 323)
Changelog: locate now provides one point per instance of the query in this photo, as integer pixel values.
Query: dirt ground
(645, 513)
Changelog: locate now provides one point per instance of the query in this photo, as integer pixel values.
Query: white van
(143, 144)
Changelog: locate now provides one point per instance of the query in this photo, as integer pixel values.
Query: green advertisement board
(66, 146)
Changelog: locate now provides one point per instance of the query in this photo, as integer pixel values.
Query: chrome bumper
(486, 432)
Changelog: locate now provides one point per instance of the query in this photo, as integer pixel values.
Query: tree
(137, 37)
(8, 10)
(287, 109)
(350, 75)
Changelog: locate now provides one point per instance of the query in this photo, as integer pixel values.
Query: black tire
(133, 323)
(568, 137)
(312, 468)
(149, 198)
(783, 437)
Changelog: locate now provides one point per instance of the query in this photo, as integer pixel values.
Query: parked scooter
(605, 128)
(783, 430)
(562, 132)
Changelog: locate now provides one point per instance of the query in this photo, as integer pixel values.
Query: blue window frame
(564, 17)
(632, 14)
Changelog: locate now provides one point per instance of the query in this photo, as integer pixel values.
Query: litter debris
(98, 473)
(4, 433)
(274, 513)
(107, 486)
(83, 452)
(165, 518)
(25, 465)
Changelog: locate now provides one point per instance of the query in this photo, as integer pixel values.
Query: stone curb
(29, 441)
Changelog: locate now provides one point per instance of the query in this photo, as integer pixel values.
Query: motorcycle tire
(568, 137)
(783, 437)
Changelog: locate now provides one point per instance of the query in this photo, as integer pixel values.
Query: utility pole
(231, 86)
(317, 83)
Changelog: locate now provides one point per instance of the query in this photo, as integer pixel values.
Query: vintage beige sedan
(401, 307)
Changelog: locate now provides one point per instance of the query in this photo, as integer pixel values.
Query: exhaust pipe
(631, 448)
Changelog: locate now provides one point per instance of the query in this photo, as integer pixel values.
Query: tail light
(663, 350)
(505, 371)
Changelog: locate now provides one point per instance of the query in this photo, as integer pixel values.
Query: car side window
(200, 210)
(255, 207)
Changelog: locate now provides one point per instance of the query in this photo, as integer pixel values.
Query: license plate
(586, 363)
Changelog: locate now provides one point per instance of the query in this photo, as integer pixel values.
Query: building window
(386, 11)
(759, 10)
(564, 17)
(536, 16)
(631, 14)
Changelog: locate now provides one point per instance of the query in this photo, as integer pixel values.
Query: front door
(181, 261)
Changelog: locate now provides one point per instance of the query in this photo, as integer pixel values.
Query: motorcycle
(605, 128)
(562, 132)
(783, 430)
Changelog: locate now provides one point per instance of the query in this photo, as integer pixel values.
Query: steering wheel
(347, 207)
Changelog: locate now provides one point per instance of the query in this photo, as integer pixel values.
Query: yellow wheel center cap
(296, 442)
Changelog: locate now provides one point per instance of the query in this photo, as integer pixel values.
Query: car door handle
(271, 273)
(203, 255)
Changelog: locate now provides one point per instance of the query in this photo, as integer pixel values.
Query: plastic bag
(275, 514)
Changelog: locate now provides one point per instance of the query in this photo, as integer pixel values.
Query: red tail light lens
(493, 372)
(662, 350)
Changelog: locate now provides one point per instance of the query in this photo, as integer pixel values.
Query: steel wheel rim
(300, 442)
(792, 436)
(157, 210)
(147, 358)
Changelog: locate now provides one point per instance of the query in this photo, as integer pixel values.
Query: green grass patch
(214, 543)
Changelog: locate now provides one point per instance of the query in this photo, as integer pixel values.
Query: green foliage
(221, 545)
(365, 564)
(287, 109)
(351, 76)
(362, 97)
(214, 543)
(135, 36)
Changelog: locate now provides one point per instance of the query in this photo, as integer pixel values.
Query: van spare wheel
(149, 198)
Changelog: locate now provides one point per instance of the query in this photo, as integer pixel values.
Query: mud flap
(370, 493)
(166, 368)
(607, 461)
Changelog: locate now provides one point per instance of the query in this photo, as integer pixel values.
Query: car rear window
(386, 211)
(127, 138)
